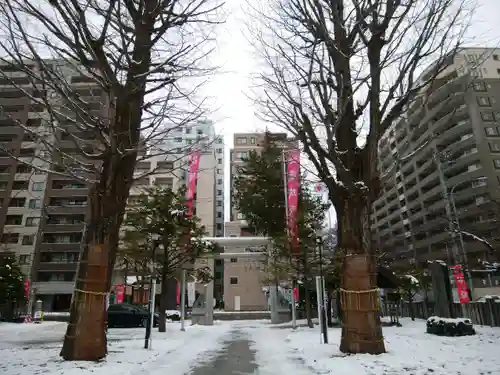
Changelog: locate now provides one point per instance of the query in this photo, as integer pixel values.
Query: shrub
(450, 327)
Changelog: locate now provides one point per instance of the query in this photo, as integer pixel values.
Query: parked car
(128, 316)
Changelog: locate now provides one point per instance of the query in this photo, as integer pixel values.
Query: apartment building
(454, 127)
(42, 214)
(202, 132)
(244, 278)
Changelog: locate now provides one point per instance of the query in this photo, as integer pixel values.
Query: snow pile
(35, 350)
(413, 279)
(447, 320)
(409, 351)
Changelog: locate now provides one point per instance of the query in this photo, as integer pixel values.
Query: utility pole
(152, 292)
(449, 216)
(322, 297)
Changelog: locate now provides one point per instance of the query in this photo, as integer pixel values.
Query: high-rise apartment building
(202, 132)
(447, 141)
(210, 187)
(42, 214)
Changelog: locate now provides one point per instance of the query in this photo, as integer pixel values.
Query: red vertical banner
(292, 191)
(178, 293)
(194, 165)
(27, 288)
(296, 293)
(119, 293)
(462, 289)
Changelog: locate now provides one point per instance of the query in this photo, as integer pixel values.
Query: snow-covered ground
(31, 349)
(409, 351)
(27, 349)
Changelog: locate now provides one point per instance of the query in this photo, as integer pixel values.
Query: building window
(494, 147)
(233, 280)
(239, 216)
(32, 221)
(490, 131)
(219, 181)
(496, 163)
(219, 161)
(495, 57)
(483, 101)
(10, 238)
(241, 141)
(242, 155)
(219, 171)
(234, 260)
(219, 141)
(252, 140)
(219, 226)
(37, 186)
(188, 130)
(28, 240)
(24, 259)
(35, 203)
(219, 192)
(219, 203)
(219, 150)
(178, 139)
(199, 131)
(488, 116)
(219, 214)
(479, 86)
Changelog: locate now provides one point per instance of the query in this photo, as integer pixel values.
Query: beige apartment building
(245, 278)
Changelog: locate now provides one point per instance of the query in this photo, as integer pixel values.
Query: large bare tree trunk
(107, 200)
(361, 328)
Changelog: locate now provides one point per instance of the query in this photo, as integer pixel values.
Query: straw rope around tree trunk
(86, 334)
(359, 298)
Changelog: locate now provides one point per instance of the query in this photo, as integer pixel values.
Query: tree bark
(85, 337)
(361, 328)
(307, 298)
(410, 306)
(329, 318)
(340, 315)
(162, 326)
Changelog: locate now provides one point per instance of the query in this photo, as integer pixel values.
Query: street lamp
(152, 292)
(320, 292)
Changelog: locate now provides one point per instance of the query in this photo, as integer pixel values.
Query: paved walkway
(235, 358)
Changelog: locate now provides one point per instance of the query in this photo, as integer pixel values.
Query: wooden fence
(482, 313)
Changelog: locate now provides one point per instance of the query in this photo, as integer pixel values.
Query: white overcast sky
(235, 111)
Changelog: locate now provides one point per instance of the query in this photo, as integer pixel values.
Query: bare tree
(338, 74)
(144, 61)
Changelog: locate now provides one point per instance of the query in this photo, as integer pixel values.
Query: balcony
(54, 287)
(57, 267)
(67, 206)
(61, 242)
(66, 188)
(65, 223)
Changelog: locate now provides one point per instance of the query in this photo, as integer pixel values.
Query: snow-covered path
(409, 351)
(251, 347)
(34, 349)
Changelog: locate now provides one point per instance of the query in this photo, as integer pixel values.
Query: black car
(127, 316)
